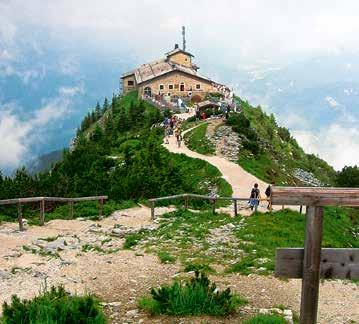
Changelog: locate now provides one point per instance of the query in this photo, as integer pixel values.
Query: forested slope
(118, 152)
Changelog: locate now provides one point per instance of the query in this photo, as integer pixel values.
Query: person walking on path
(254, 198)
(197, 113)
(268, 194)
(178, 135)
(167, 133)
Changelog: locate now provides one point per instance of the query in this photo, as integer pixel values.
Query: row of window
(170, 86)
(177, 86)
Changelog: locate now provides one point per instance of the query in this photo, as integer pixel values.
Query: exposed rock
(307, 177)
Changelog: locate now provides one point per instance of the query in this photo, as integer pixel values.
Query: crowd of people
(172, 126)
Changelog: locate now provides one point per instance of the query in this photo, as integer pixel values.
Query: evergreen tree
(348, 177)
(105, 106)
(97, 111)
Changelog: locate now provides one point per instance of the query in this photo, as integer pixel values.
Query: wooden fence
(42, 201)
(313, 262)
(212, 199)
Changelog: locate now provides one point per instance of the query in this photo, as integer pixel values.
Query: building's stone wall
(175, 79)
(181, 58)
(126, 83)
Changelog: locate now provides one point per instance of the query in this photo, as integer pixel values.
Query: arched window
(147, 91)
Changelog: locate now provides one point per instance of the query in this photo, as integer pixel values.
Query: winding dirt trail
(240, 180)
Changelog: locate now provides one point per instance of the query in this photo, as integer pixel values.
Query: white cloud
(338, 144)
(332, 102)
(12, 135)
(71, 91)
(263, 30)
(17, 135)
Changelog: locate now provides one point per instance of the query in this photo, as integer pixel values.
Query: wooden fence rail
(187, 196)
(42, 200)
(313, 262)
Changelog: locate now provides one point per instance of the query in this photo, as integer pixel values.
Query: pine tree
(105, 106)
(97, 111)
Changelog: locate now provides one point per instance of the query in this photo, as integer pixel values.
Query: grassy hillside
(271, 153)
(196, 140)
(120, 155)
(266, 149)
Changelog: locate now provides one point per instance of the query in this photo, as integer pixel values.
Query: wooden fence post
(235, 207)
(311, 265)
(301, 209)
(101, 208)
(214, 206)
(152, 210)
(19, 216)
(71, 209)
(186, 202)
(42, 212)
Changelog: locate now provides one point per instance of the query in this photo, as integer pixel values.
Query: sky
(237, 42)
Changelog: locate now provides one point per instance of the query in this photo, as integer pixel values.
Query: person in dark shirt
(254, 197)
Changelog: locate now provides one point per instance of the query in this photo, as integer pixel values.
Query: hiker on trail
(171, 126)
(204, 116)
(167, 134)
(254, 197)
(198, 113)
(228, 109)
(268, 194)
(178, 135)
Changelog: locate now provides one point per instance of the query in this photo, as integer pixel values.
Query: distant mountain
(44, 162)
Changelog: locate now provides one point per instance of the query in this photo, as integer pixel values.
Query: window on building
(176, 86)
(162, 87)
(198, 86)
(182, 86)
(169, 94)
(130, 82)
(170, 87)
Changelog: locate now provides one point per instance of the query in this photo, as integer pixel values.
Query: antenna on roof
(184, 37)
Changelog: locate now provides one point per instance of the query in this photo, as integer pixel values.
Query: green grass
(99, 249)
(270, 152)
(165, 257)
(249, 247)
(55, 306)
(266, 319)
(266, 232)
(201, 267)
(195, 296)
(132, 239)
(197, 141)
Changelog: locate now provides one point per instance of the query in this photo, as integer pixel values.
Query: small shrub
(266, 319)
(53, 307)
(165, 257)
(194, 296)
(201, 267)
(131, 240)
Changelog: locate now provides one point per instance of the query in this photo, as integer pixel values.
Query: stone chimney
(176, 46)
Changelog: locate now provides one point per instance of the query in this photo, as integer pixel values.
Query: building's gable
(177, 83)
(181, 58)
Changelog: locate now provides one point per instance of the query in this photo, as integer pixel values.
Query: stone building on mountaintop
(170, 78)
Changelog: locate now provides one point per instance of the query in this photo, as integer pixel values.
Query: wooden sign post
(310, 263)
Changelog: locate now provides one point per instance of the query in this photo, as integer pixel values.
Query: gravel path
(240, 180)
